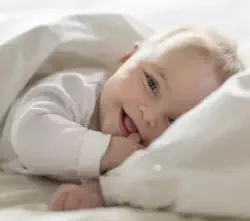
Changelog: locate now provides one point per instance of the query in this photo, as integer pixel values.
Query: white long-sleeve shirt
(52, 128)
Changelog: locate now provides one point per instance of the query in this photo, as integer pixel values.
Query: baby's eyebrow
(160, 71)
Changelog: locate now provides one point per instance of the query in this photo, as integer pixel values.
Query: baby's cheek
(133, 88)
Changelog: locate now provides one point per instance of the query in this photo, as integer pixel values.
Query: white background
(228, 15)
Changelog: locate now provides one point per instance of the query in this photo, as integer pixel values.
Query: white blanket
(199, 166)
(25, 198)
(42, 43)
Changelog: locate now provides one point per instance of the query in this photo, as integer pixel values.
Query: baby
(73, 127)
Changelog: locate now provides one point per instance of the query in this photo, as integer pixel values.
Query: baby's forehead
(167, 54)
(186, 50)
(182, 41)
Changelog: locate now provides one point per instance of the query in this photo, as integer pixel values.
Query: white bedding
(25, 198)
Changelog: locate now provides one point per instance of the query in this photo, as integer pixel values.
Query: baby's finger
(139, 147)
(135, 138)
(72, 202)
(59, 198)
(136, 147)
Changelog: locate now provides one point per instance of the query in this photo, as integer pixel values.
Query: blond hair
(208, 43)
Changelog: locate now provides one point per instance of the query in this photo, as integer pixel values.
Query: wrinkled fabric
(33, 45)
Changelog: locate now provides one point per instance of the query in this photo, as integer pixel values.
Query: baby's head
(163, 78)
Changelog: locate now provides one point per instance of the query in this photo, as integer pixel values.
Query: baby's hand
(74, 197)
(120, 148)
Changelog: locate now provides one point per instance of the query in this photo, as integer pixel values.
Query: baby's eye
(151, 83)
(171, 120)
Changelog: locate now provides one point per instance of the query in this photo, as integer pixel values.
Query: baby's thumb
(135, 138)
(139, 147)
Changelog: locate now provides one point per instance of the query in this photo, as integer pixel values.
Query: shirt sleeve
(48, 132)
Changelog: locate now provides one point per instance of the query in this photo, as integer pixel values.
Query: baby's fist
(120, 148)
(74, 197)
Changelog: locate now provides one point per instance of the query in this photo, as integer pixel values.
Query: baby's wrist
(105, 161)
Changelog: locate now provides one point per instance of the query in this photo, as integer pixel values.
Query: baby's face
(152, 89)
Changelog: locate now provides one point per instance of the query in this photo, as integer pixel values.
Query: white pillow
(200, 165)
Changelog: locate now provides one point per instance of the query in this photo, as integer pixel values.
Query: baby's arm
(48, 132)
(89, 195)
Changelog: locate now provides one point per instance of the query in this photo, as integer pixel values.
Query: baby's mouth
(128, 123)
(123, 130)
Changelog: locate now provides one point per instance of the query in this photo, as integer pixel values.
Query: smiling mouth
(127, 126)
(123, 131)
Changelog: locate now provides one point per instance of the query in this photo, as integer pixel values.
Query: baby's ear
(129, 54)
